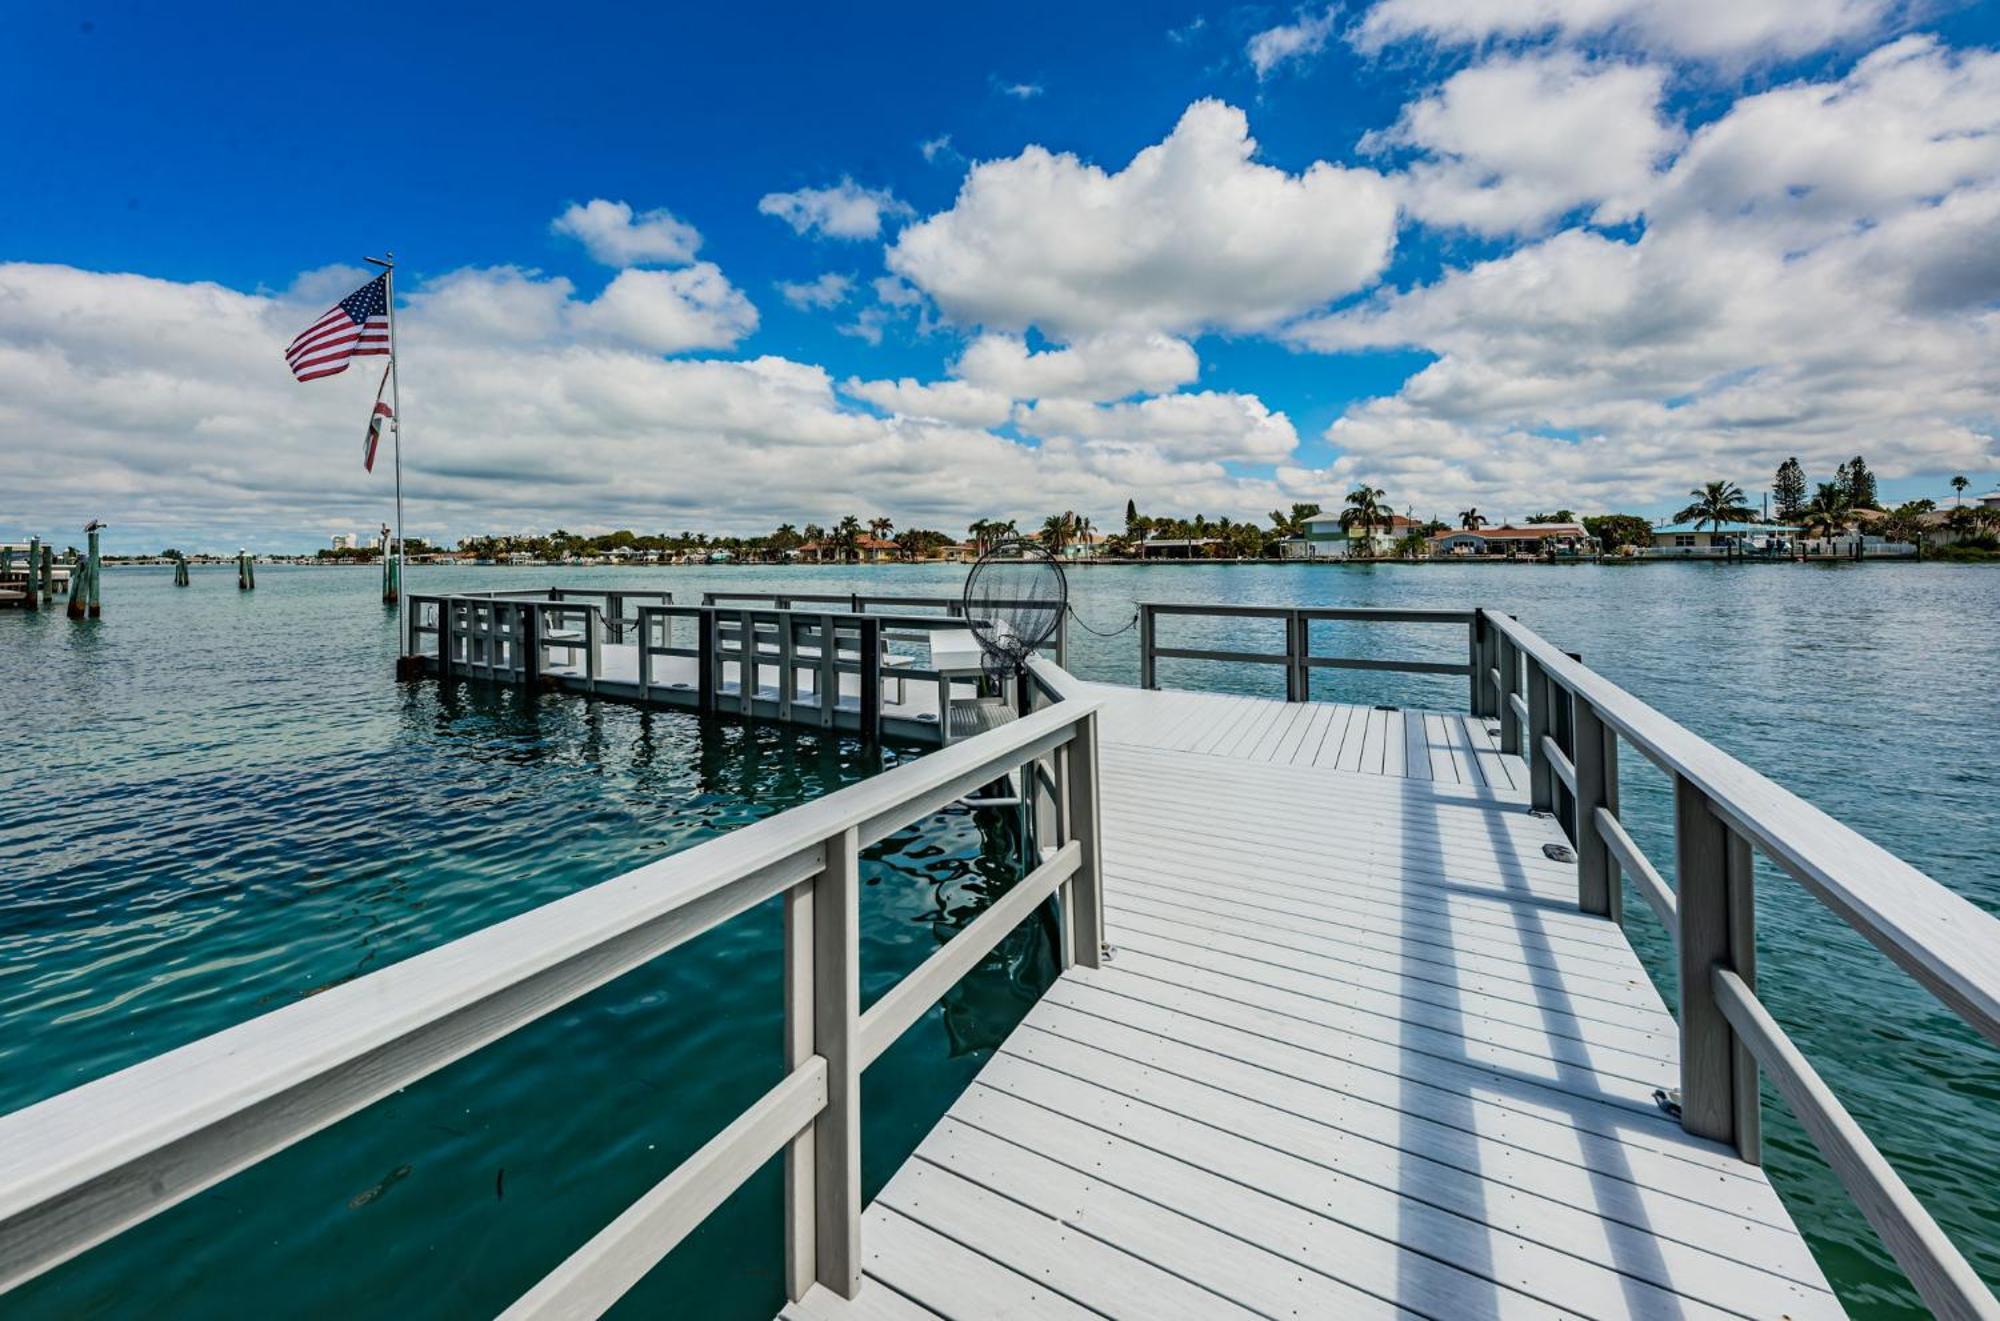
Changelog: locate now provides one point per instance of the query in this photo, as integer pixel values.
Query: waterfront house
(876, 550)
(1721, 540)
(1508, 539)
(1326, 539)
(1176, 548)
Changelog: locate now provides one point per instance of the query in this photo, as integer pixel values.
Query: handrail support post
(1596, 767)
(836, 1137)
(1148, 663)
(1541, 722)
(1085, 891)
(1712, 884)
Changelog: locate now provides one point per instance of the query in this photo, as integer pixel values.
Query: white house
(1326, 539)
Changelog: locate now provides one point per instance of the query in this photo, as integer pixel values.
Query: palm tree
(1829, 512)
(1055, 533)
(1716, 503)
(1364, 510)
(1472, 520)
(847, 537)
(1958, 485)
(880, 527)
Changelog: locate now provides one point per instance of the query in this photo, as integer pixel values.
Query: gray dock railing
(1297, 657)
(807, 643)
(1567, 722)
(83, 1166)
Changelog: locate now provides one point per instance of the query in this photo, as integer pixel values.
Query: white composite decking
(1356, 1054)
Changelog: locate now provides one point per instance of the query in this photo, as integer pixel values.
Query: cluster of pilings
(38, 575)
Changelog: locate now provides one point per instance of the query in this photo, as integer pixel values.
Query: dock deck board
(1356, 1053)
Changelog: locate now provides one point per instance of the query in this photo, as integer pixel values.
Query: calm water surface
(219, 802)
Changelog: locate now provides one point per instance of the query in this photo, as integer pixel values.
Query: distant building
(1507, 539)
(1692, 541)
(1326, 539)
(1175, 547)
(343, 541)
(875, 550)
(1991, 500)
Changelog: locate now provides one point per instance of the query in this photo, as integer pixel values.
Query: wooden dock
(1355, 1053)
(1347, 1024)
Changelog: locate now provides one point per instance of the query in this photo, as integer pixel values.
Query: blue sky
(1574, 261)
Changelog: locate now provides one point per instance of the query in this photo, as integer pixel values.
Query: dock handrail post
(705, 661)
(1085, 890)
(1596, 872)
(801, 1201)
(1713, 886)
(1541, 723)
(870, 697)
(1295, 652)
(1510, 719)
(1062, 639)
(1148, 677)
(593, 646)
(836, 998)
(645, 655)
(1475, 662)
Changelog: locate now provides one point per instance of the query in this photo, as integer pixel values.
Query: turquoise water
(223, 802)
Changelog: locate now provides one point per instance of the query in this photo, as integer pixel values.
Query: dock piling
(29, 599)
(83, 587)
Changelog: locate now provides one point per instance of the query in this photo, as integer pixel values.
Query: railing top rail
(1943, 940)
(1378, 614)
(102, 1156)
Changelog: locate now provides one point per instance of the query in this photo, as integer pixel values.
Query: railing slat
(1558, 762)
(1943, 1278)
(891, 1015)
(1652, 887)
(618, 1256)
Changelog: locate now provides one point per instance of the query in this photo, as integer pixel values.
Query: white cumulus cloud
(612, 234)
(1096, 367)
(1725, 30)
(943, 401)
(526, 406)
(1518, 141)
(1298, 40)
(1194, 233)
(1209, 425)
(844, 211)
(1816, 276)
(828, 290)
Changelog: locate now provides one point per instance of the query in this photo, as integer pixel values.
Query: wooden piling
(29, 601)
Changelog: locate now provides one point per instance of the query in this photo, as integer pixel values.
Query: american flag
(375, 419)
(355, 327)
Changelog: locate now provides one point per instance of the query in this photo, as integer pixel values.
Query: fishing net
(1014, 599)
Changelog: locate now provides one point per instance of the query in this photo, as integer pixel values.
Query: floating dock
(1347, 1024)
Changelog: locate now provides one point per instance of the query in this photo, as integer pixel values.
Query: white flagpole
(396, 411)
